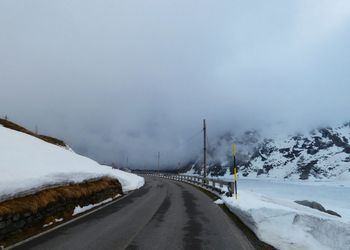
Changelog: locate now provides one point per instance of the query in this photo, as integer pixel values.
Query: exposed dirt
(32, 214)
(32, 203)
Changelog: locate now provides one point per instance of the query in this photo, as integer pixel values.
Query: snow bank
(334, 195)
(28, 164)
(287, 225)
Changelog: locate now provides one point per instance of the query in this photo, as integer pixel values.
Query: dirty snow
(28, 164)
(219, 202)
(79, 209)
(53, 222)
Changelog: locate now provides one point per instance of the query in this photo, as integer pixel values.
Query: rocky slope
(323, 153)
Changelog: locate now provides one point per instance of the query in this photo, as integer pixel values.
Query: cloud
(121, 79)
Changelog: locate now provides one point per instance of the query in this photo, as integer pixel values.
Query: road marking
(68, 222)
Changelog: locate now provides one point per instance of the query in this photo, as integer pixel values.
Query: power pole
(205, 151)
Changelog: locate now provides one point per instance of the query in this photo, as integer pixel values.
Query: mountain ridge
(323, 153)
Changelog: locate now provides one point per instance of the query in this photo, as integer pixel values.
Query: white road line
(67, 222)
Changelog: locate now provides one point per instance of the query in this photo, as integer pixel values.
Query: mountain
(322, 153)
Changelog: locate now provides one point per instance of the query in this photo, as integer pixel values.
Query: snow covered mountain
(323, 153)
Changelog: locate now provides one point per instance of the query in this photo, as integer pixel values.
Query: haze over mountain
(118, 79)
(323, 153)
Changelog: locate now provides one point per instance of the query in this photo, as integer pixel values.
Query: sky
(121, 79)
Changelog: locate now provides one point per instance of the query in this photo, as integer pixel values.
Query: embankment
(23, 217)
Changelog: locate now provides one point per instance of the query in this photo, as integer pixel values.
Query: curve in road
(164, 214)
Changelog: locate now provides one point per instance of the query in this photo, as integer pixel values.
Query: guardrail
(216, 185)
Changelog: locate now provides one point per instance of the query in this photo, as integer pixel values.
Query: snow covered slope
(279, 221)
(28, 164)
(321, 154)
(277, 171)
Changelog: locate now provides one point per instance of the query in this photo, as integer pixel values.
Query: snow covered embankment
(128, 181)
(28, 165)
(287, 225)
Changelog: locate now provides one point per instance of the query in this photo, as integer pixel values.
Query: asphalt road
(164, 214)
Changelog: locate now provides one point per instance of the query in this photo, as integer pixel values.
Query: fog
(126, 79)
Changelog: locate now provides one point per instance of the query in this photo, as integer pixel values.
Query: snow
(129, 181)
(323, 153)
(79, 209)
(219, 202)
(331, 161)
(28, 164)
(53, 222)
(268, 208)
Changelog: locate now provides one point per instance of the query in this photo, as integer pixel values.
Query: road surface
(164, 214)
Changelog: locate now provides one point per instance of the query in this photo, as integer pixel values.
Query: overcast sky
(118, 78)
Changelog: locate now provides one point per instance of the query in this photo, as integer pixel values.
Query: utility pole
(205, 151)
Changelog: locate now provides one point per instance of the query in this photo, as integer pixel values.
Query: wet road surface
(164, 214)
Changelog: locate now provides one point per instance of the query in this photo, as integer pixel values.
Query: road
(164, 214)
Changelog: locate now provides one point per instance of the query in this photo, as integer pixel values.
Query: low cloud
(126, 79)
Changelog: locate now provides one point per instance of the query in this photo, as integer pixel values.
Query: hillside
(43, 182)
(28, 164)
(323, 153)
(11, 125)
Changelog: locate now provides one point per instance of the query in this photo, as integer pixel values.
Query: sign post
(234, 151)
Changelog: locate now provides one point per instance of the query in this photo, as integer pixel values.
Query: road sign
(234, 151)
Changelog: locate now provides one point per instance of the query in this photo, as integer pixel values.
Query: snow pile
(28, 164)
(333, 195)
(219, 202)
(129, 181)
(287, 225)
(79, 209)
